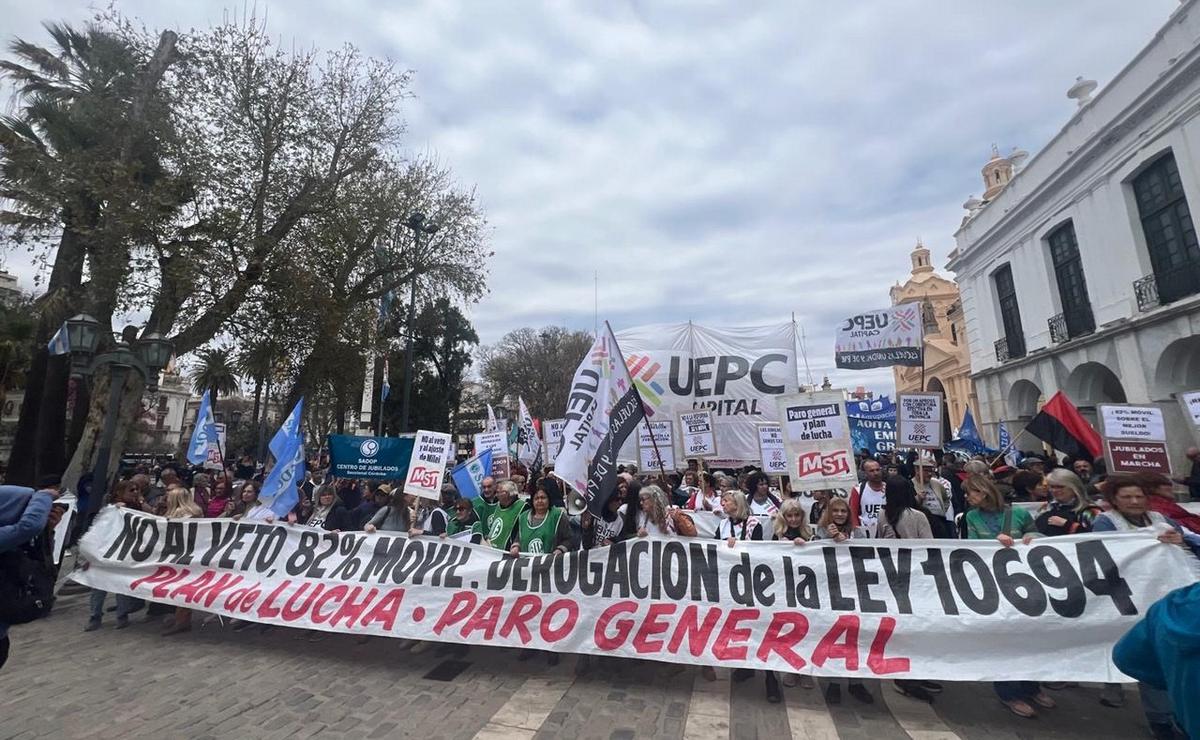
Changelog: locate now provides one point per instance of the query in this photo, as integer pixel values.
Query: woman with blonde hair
(836, 523)
(181, 505)
(1068, 510)
(790, 523)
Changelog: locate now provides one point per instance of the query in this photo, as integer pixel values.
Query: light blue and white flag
(205, 433)
(1011, 456)
(280, 490)
(60, 343)
(468, 477)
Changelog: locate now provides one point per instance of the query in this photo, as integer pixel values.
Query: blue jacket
(23, 513)
(1163, 650)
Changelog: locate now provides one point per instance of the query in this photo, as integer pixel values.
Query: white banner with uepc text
(911, 609)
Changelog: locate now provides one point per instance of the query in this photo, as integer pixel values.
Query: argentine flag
(205, 433)
(60, 343)
(468, 477)
(279, 490)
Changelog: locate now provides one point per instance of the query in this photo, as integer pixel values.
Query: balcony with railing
(1010, 348)
(1070, 324)
(1167, 286)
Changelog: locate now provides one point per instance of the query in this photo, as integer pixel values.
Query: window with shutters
(1010, 313)
(1072, 285)
(1167, 225)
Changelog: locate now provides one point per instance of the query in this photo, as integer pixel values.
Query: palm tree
(257, 362)
(215, 374)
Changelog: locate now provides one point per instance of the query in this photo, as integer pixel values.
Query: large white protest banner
(427, 466)
(1050, 611)
(889, 336)
(817, 435)
(735, 373)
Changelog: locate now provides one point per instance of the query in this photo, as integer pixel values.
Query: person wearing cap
(933, 493)
(371, 505)
(395, 517)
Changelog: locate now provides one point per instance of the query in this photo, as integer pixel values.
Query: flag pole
(645, 417)
(1011, 443)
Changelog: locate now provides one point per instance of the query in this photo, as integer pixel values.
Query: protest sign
(698, 437)
(883, 338)
(552, 436)
(376, 458)
(735, 373)
(215, 459)
(497, 442)
(427, 465)
(664, 436)
(1135, 439)
(919, 420)
(872, 425)
(816, 434)
(771, 452)
(1190, 404)
(1050, 611)
(62, 531)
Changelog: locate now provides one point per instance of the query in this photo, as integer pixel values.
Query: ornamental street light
(148, 356)
(419, 226)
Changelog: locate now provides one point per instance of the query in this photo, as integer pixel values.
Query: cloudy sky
(727, 163)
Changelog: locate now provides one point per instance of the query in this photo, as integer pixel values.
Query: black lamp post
(148, 356)
(419, 226)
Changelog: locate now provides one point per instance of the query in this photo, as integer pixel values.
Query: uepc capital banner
(1050, 611)
(736, 373)
(889, 336)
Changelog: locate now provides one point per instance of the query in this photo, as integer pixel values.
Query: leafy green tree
(214, 373)
(537, 365)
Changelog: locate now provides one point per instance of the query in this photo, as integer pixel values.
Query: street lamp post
(420, 226)
(148, 356)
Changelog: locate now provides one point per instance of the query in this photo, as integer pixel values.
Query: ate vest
(539, 539)
(501, 522)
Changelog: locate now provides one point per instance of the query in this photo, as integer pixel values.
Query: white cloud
(726, 163)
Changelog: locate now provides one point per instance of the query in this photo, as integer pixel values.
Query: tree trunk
(258, 387)
(87, 452)
(64, 280)
(52, 418)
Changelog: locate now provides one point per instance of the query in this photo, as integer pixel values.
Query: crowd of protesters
(916, 496)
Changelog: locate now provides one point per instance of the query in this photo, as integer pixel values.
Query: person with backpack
(26, 580)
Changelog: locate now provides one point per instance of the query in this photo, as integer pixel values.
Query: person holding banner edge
(991, 519)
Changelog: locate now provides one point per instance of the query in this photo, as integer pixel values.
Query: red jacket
(1174, 511)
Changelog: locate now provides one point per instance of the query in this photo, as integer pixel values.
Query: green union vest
(501, 522)
(539, 539)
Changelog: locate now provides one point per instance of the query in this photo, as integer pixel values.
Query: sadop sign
(377, 458)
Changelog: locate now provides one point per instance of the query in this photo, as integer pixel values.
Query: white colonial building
(1080, 272)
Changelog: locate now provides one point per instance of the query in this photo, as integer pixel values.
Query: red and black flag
(1060, 425)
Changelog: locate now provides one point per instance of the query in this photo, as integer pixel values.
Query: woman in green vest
(542, 529)
(502, 517)
(464, 519)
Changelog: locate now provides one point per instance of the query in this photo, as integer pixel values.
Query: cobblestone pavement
(214, 683)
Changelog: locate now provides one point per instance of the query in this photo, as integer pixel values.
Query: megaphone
(576, 504)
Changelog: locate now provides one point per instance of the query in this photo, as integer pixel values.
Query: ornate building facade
(947, 359)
